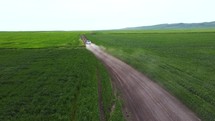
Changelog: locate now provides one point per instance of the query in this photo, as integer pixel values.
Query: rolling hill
(204, 25)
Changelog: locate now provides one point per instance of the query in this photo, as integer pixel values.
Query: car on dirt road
(88, 42)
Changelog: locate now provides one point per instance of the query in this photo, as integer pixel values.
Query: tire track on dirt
(143, 99)
(100, 102)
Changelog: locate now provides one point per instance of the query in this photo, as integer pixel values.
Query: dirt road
(144, 100)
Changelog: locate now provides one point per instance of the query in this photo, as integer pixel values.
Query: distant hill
(204, 25)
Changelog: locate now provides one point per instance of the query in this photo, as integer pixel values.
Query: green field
(180, 61)
(39, 39)
(51, 76)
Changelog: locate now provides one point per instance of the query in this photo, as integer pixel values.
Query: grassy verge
(110, 99)
(181, 62)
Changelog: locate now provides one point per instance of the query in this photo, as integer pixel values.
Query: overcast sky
(18, 15)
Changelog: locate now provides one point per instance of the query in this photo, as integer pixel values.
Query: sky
(37, 15)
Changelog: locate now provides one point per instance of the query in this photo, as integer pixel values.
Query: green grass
(157, 31)
(51, 76)
(39, 39)
(181, 62)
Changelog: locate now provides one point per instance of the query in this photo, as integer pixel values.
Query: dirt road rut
(143, 99)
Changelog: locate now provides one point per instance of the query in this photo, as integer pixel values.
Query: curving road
(144, 100)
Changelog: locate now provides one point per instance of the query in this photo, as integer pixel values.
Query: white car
(88, 42)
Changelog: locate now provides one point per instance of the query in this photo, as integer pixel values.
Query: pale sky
(24, 15)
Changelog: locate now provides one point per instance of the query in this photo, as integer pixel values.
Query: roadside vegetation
(51, 76)
(180, 61)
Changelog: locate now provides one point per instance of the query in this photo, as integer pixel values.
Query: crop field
(51, 76)
(181, 62)
(39, 39)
